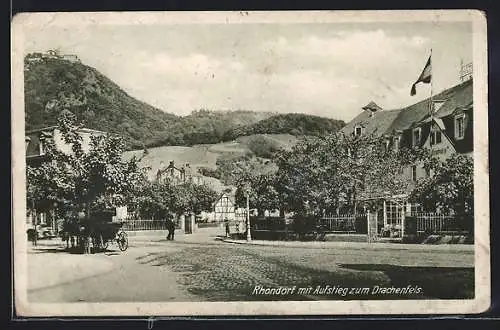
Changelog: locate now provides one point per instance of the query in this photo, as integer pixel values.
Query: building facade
(35, 149)
(225, 208)
(178, 175)
(443, 125)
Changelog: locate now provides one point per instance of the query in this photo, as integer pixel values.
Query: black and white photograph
(250, 163)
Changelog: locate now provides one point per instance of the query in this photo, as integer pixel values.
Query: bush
(263, 147)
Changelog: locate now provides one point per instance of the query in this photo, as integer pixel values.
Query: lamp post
(249, 235)
(54, 221)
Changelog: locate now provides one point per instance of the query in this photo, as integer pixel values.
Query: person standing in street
(227, 228)
(170, 228)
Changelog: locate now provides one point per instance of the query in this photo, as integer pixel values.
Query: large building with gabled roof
(448, 131)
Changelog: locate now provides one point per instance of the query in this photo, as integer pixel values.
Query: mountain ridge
(54, 83)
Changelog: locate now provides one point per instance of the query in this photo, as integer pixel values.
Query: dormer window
(358, 130)
(27, 141)
(414, 173)
(371, 108)
(436, 137)
(416, 136)
(459, 126)
(397, 142)
(41, 146)
(387, 143)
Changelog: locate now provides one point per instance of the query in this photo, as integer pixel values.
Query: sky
(325, 69)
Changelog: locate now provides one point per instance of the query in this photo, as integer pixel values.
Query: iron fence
(345, 223)
(136, 225)
(440, 223)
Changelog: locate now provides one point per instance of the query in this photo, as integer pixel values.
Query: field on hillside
(204, 155)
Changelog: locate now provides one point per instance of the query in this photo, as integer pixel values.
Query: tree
(156, 200)
(450, 189)
(89, 180)
(326, 172)
(253, 176)
(261, 191)
(263, 147)
(306, 179)
(153, 201)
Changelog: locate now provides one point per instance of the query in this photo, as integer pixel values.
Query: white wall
(66, 148)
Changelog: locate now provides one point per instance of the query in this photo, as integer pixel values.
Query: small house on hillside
(178, 175)
(170, 173)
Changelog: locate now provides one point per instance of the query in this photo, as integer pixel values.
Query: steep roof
(388, 121)
(458, 95)
(52, 128)
(378, 123)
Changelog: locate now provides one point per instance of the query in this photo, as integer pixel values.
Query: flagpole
(431, 101)
(431, 104)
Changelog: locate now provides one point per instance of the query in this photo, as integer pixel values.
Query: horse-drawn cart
(103, 233)
(96, 235)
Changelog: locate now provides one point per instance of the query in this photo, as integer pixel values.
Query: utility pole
(249, 235)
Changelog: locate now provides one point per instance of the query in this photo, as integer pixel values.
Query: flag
(425, 76)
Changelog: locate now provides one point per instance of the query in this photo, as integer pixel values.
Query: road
(207, 270)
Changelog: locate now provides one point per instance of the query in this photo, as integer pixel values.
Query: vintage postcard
(250, 163)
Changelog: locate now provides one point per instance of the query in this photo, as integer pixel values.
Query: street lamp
(249, 235)
(55, 225)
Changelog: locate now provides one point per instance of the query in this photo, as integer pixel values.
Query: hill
(53, 83)
(209, 126)
(292, 123)
(210, 159)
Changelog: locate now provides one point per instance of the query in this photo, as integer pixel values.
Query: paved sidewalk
(49, 265)
(459, 248)
(203, 235)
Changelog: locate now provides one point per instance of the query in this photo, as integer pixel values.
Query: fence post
(368, 232)
(182, 219)
(402, 225)
(192, 222)
(385, 213)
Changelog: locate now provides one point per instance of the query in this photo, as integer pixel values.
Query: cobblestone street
(216, 271)
(232, 272)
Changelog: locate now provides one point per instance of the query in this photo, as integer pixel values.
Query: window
(460, 127)
(416, 136)
(397, 142)
(358, 130)
(436, 137)
(41, 146)
(414, 173)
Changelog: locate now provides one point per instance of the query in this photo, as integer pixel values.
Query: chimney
(172, 164)
(372, 108)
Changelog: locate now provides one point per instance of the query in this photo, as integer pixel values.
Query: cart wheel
(103, 243)
(122, 241)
